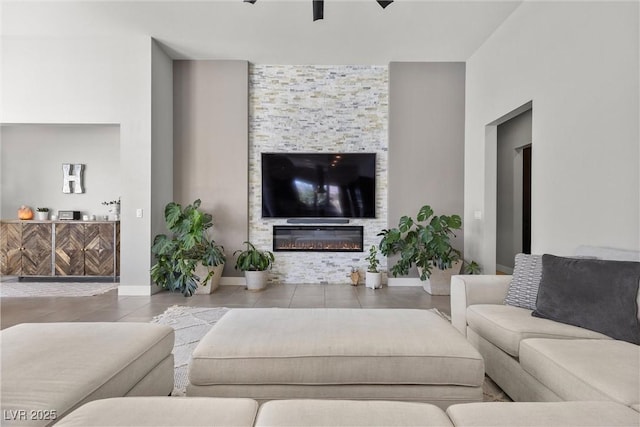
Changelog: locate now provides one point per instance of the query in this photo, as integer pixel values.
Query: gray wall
(426, 140)
(211, 145)
(512, 136)
(32, 157)
(161, 140)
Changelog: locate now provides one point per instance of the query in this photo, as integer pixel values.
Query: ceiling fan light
(382, 3)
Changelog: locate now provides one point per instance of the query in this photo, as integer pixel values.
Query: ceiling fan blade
(382, 3)
(318, 9)
(250, 1)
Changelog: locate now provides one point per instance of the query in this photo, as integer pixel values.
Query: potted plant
(189, 257)
(113, 206)
(42, 214)
(425, 243)
(255, 264)
(471, 267)
(373, 277)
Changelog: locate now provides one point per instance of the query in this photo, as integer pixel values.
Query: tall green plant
(189, 244)
(424, 242)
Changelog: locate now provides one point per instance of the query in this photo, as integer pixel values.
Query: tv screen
(318, 185)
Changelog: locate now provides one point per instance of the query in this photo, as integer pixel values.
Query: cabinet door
(98, 250)
(36, 249)
(10, 249)
(69, 249)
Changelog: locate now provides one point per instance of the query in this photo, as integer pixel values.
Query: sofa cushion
(306, 413)
(163, 411)
(505, 326)
(601, 252)
(334, 347)
(523, 289)
(58, 366)
(585, 369)
(594, 294)
(548, 414)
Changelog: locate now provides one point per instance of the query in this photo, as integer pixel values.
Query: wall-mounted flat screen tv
(318, 185)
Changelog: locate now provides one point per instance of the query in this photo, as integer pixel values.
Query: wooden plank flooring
(110, 307)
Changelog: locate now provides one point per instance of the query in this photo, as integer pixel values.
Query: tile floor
(110, 307)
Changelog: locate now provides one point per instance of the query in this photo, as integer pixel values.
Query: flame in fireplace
(318, 238)
(318, 245)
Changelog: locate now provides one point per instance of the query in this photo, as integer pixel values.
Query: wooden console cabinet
(25, 248)
(60, 248)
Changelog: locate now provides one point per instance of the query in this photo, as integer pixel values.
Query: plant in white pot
(42, 214)
(255, 264)
(188, 259)
(114, 208)
(426, 243)
(373, 277)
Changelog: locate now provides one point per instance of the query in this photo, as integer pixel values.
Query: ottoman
(547, 414)
(163, 411)
(361, 354)
(328, 413)
(48, 369)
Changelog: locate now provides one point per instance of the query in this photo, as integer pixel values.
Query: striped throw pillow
(523, 289)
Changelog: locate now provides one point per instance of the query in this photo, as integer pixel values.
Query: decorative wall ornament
(72, 178)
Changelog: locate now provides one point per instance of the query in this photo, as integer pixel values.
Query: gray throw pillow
(594, 294)
(523, 289)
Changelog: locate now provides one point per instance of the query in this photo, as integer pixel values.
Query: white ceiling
(275, 31)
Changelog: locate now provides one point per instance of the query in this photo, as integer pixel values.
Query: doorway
(513, 210)
(526, 200)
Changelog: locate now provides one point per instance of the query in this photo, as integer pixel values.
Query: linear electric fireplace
(317, 238)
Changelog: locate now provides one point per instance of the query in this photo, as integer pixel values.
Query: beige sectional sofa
(49, 369)
(535, 359)
(239, 412)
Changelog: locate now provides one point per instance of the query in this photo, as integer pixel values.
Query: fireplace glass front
(318, 238)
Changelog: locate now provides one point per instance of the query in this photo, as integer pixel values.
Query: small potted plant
(255, 264)
(373, 278)
(188, 259)
(113, 206)
(471, 267)
(42, 214)
(425, 243)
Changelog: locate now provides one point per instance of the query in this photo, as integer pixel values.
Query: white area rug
(192, 323)
(15, 289)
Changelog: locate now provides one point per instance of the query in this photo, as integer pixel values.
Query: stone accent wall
(317, 109)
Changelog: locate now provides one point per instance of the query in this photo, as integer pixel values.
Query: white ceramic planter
(440, 281)
(256, 280)
(214, 282)
(42, 216)
(373, 280)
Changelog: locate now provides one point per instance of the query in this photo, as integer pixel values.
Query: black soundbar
(317, 221)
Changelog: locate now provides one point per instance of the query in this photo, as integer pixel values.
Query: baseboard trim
(233, 281)
(504, 269)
